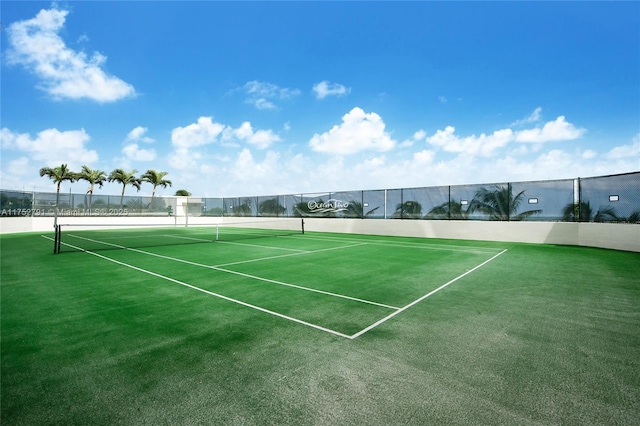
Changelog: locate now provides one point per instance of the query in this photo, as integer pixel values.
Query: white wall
(605, 235)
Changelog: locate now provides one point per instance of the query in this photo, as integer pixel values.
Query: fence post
(509, 193)
(579, 209)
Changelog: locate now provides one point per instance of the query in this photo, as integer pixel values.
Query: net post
(56, 239)
(217, 228)
(302, 226)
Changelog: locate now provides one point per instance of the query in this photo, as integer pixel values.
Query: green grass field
(319, 329)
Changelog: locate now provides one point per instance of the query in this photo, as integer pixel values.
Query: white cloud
(247, 169)
(186, 139)
(442, 99)
(262, 103)
(358, 132)
(18, 166)
(203, 132)
(417, 136)
(261, 94)
(184, 159)
(625, 151)
(488, 145)
(534, 117)
(189, 141)
(558, 130)
(63, 72)
(138, 135)
(424, 157)
(261, 139)
(325, 88)
(134, 153)
(51, 147)
(484, 145)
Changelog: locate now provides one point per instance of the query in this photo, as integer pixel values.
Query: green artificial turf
(540, 334)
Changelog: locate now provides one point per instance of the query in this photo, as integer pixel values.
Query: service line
(404, 308)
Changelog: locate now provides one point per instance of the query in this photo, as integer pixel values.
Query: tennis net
(83, 237)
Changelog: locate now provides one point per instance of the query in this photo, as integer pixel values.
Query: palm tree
(156, 179)
(408, 210)
(125, 178)
(243, 209)
(607, 214)
(577, 212)
(583, 212)
(271, 207)
(452, 210)
(500, 204)
(94, 177)
(58, 175)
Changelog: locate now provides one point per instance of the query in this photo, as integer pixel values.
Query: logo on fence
(332, 205)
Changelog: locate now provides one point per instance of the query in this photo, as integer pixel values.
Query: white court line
(260, 246)
(465, 249)
(404, 308)
(229, 299)
(255, 277)
(287, 255)
(180, 237)
(352, 337)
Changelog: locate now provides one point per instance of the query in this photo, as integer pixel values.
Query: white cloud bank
(64, 73)
(189, 141)
(214, 159)
(558, 130)
(489, 145)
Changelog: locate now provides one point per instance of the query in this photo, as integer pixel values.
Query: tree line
(95, 177)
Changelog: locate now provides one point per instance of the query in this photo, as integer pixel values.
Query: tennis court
(244, 326)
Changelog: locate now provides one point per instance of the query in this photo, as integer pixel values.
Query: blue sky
(261, 98)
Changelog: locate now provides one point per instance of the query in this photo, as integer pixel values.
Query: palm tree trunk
(90, 197)
(55, 212)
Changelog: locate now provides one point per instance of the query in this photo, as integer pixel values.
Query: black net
(71, 237)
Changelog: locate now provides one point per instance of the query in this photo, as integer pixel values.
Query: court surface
(316, 328)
